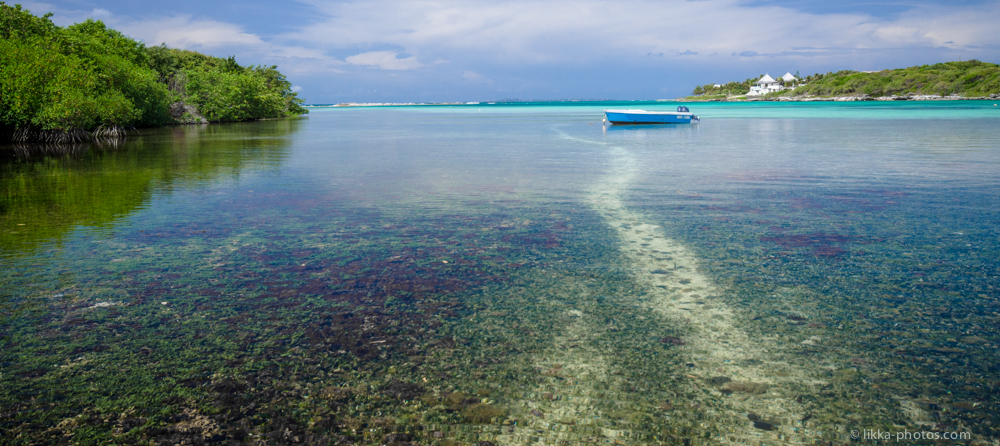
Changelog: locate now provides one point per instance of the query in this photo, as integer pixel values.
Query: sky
(337, 51)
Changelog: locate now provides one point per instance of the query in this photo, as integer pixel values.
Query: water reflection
(46, 191)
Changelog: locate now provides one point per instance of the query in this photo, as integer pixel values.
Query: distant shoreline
(390, 104)
(922, 97)
(688, 99)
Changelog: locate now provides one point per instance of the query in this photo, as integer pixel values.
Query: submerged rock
(747, 387)
(672, 340)
(480, 413)
(397, 438)
(403, 391)
(718, 380)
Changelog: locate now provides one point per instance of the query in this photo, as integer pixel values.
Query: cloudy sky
(443, 50)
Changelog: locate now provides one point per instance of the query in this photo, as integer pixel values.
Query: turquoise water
(859, 109)
(509, 274)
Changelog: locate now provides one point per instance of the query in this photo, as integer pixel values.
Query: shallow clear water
(514, 274)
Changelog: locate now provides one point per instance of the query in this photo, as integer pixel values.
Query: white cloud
(224, 39)
(65, 17)
(180, 31)
(100, 13)
(539, 48)
(561, 31)
(189, 33)
(967, 27)
(204, 35)
(384, 60)
(474, 77)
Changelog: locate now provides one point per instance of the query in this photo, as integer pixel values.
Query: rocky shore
(863, 97)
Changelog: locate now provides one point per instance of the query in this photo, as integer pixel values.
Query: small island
(970, 79)
(90, 82)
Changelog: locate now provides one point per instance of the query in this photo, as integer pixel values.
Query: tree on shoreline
(728, 89)
(85, 81)
(970, 78)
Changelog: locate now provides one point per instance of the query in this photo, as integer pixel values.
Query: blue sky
(443, 50)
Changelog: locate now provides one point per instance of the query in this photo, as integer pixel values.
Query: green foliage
(279, 84)
(54, 91)
(75, 78)
(87, 76)
(122, 65)
(92, 38)
(17, 23)
(222, 89)
(725, 90)
(162, 61)
(233, 96)
(969, 78)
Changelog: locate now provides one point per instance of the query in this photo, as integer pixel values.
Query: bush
(233, 96)
(87, 77)
(72, 79)
(968, 78)
(17, 23)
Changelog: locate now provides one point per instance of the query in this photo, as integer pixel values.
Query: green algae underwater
(511, 274)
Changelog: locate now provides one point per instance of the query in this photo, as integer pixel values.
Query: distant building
(767, 84)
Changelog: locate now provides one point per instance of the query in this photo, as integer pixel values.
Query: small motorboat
(681, 116)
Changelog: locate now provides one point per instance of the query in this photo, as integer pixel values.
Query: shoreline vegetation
(968, 80)
(88, 82)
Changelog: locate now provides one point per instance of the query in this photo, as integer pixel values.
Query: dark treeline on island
(87, 81)
(957, 79)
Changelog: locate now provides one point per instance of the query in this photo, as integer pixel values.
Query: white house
(767, 84)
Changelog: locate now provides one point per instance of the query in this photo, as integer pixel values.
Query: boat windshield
(683, 109)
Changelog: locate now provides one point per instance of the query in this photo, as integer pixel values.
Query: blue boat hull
(649, 118)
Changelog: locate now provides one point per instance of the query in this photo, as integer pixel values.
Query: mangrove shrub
(67, 83)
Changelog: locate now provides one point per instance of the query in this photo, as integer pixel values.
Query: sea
(510, 274)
